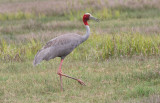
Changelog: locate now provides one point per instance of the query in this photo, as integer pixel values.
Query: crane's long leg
(59, 71)
(60, 74)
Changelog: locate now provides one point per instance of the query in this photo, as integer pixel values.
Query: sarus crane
(63, 45)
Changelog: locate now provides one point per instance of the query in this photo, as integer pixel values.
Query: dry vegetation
(119, 62)
(62, 6)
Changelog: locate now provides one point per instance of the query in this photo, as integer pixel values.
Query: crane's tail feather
(39, 57)
(36, 61)
(44, 54)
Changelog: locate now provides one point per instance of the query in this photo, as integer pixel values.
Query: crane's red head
(88, 16)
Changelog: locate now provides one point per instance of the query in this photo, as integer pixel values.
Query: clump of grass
(107, 14)
(12, 52)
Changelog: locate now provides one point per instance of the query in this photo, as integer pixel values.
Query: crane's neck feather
(85, 37)
(87, 30)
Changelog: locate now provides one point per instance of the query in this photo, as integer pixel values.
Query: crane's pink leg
(60, 71)
(60, 74)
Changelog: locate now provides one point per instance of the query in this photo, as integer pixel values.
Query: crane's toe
(81, 82)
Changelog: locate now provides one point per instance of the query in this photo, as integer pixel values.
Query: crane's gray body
(60, 46)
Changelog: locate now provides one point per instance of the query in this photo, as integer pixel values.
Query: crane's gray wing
(58, 47)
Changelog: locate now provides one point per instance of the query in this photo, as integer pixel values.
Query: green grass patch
(140, 91)
(115, 80)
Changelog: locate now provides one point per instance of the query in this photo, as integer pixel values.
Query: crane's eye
(87, 17)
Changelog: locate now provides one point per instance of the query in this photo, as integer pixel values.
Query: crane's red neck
(85, 19)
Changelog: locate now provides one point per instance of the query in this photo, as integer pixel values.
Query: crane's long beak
(93, 18)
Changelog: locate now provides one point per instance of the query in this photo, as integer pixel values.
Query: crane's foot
(81, 82)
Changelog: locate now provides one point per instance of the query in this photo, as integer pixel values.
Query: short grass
(115, 80)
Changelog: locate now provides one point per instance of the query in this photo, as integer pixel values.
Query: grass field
(119, 62)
